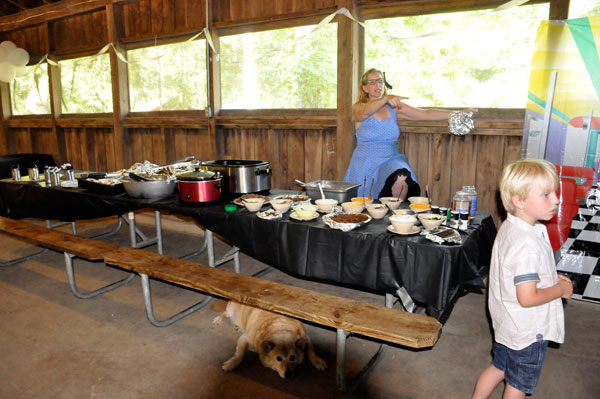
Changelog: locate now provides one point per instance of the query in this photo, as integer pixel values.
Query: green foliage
(285, 68)
(86, 85)
(481, 59)
(29, 94)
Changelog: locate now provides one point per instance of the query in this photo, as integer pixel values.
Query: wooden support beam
(559, 9)
(348, 75)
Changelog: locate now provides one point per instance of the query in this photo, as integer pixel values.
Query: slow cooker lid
(236, 163)
(199, 175)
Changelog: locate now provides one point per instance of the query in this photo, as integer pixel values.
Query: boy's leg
(511, 392)
(487, 382)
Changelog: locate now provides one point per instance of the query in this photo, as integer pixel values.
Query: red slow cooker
(200, 186)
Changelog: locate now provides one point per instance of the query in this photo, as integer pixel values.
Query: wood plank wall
(299, 145)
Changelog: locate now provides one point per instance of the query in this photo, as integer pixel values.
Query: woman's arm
(415, 114)
(364, 110)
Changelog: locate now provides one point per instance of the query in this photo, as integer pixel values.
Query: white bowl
(403, 223)
(326, 204)
(418, 200)
(305, 210)
(391, 202)
(377, 211)
(282, 205)
(353, 207)
(362, 200)
(253, 204)
(403, 211)
(430, 220)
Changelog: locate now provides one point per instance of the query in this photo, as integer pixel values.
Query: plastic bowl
(282, 205)
(253, 204)
(363, 200)
(353, 207)
(326, 204)
(377, 211)
(420, 207)
(391, 202)
(430, 220)
(418, 200)
(305, 210)
(403, 223)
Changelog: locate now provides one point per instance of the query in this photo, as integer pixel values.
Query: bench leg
(23, 258)
(87, 295)
(150, 312)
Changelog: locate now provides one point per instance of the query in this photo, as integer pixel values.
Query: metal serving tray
(339, 190)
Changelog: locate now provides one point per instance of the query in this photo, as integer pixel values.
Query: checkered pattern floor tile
(580, 256)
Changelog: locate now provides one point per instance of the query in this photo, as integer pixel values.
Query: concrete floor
(57, 346)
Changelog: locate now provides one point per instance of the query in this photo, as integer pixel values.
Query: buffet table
(368, 258)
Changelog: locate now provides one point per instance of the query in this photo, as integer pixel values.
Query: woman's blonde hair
(518, 177)
(364, 97)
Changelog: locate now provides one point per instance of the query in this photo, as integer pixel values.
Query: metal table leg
(343, 383)
(134, 232)
(81, 295)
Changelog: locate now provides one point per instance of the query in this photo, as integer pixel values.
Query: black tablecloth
(23, 160)
(368, 258)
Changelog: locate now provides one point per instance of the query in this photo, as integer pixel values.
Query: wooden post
(214, 83)
(121, 156)
(559, 9)
(5, 111)
(348, 75)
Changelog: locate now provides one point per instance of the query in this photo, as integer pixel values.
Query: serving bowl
(377, 211)
(403, 211)
(362, 200)
(326, 204)
(153, 189)
(420, 207)
(253, 204)
(430, 220)
(391, 202)
(403, 223)
(418, 200)
(282, 205)
(305, 210)
(353, 207)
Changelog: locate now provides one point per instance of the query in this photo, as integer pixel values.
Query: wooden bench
(71, 245)
(347, 316)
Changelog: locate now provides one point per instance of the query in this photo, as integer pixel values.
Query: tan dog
(279, 340)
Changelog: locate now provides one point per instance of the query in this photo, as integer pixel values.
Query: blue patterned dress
(376, 154)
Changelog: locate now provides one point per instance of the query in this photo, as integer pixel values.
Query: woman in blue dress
(376, 155)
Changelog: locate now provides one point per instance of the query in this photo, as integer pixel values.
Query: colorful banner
(570, 48)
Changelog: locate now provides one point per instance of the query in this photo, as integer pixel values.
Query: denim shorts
(522, 368)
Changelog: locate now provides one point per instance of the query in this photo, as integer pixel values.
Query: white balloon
(3, 54)
(7, 72)
(18, 57)
(8, 45)
(21, 71)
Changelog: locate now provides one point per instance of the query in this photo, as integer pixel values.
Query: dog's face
(282, 355)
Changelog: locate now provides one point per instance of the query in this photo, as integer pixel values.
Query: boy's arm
(529, 295)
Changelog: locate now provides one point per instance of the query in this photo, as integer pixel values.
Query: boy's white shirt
(523, 251)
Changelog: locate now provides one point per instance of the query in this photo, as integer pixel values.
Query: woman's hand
(395, 101)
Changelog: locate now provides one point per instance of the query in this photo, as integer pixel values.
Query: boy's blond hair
(518, 177)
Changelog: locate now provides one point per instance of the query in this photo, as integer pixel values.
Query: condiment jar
(470, 190)
(33, 172)
(16, 172)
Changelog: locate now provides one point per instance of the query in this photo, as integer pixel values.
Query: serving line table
(368, 258)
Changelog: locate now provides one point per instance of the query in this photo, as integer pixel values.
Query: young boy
(524, 289)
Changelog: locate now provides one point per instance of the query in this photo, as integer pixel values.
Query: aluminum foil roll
(460, 123)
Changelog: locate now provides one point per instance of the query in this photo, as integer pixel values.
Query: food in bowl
(403, 211)
(363, 200)
(305, 211)
(391, 202)
(420, 207)
(418, 200)
(326, 204)
(353, 207)
(403, 223)
(377, 211)
(282, 205)
(430, 220)
(350, 218)
(253, 204)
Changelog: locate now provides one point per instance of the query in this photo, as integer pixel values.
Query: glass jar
(472, 192)
(461, 202)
